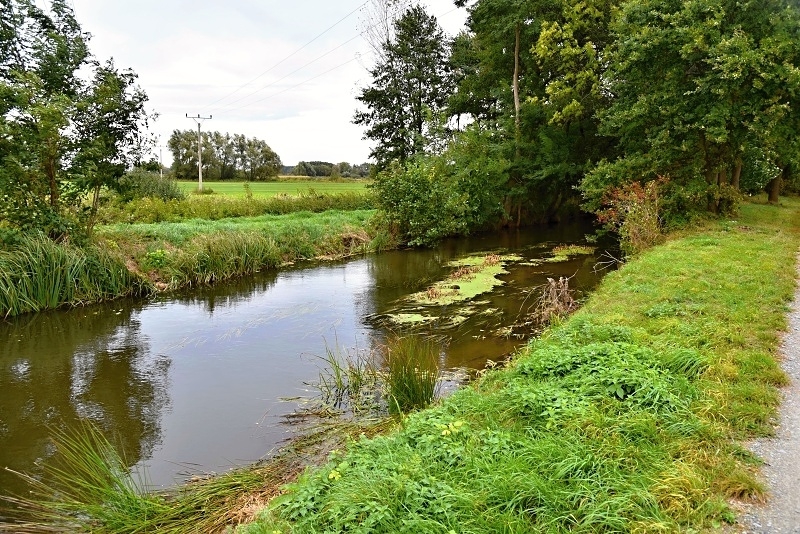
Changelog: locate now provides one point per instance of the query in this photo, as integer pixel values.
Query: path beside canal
(781, 470)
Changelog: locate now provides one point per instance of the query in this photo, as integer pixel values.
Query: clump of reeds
(358, 384)
(412, 373)
(38, 274)
(349, 381)
(89, 489)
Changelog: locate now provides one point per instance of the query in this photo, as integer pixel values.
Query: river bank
(139, 259)
(628, 417)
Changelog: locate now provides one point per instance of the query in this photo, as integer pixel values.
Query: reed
(38, 274)
(412, 373)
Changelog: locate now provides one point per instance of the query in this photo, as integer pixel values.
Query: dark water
(192, 382)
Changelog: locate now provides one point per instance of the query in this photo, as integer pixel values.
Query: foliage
(695, 86)
(634, 213)
(420, 202)
(333, 170)
(619, 419)
(224, 157)
(410, 85)
(61, 136)
(139, 183)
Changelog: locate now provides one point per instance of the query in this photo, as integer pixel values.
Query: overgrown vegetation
(38, 274)
(622, 419)
(153, 209)
(135, 259)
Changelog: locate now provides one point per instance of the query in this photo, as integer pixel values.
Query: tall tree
(410, 86)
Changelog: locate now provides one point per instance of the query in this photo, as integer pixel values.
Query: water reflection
(193, 381)
(57, 367)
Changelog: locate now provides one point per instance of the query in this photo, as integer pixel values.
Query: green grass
(282, 187)
(621, 419)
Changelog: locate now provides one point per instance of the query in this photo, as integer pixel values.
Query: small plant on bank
(633, 212)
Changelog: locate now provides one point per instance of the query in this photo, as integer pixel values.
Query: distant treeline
(224, 157)
(333, 170)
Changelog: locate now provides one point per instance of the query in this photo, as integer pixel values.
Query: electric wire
(227, 109)
(289, 56)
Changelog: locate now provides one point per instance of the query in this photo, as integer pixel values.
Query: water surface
(192, 382)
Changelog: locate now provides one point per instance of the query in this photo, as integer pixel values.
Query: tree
(695, 85)
(225, 157)
(63, 135)
(410, 86)
(109, 123)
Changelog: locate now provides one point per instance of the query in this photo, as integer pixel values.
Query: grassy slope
(622, 419)
(268, 189)
(200, 251)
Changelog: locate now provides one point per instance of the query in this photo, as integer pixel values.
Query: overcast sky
(244, 62)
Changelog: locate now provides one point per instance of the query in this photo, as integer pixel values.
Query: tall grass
(38, 274)
(89, 489)
(203, 252)
(412, 372)
(213, 207)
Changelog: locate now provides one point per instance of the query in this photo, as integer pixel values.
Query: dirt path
(781, 454)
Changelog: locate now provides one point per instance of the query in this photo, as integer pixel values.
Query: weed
(412, 364)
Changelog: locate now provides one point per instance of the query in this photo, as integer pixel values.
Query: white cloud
(201, 56)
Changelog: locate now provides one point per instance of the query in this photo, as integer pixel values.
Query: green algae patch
(410, 318)
(474, 276)
(565, 252)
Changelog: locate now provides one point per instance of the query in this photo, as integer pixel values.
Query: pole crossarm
(199, 120)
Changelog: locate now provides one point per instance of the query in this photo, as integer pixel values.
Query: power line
(295, 86)
(289, 56)
(275, 82)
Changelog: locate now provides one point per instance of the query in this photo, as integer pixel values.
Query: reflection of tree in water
(228, 293)
(57, 367)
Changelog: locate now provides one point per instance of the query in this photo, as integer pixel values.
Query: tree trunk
(722, 176)
(516, 85)
(737, 174)
(93, 214)
(774, 189)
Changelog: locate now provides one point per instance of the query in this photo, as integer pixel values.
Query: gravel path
(781, 454)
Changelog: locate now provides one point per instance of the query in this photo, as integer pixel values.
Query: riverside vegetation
(154, 238)
(625, 417)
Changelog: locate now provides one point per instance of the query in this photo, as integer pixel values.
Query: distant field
(269, 189)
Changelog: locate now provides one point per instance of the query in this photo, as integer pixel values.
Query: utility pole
(199, 120)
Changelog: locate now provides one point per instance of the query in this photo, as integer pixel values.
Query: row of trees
(333, 170)
(224, 157)
(63, 134)
(543, 103)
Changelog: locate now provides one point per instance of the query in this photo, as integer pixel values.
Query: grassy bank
(215, 207)
(129, 259)
(202, 251)
(623, 419)
(38, 274)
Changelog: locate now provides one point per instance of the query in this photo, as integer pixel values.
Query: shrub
(632, 211)
(139, 183)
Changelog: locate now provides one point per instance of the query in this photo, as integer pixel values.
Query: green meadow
(280, 187)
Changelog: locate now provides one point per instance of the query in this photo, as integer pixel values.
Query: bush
(420, 202)
(632, 211)
(140, 183)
